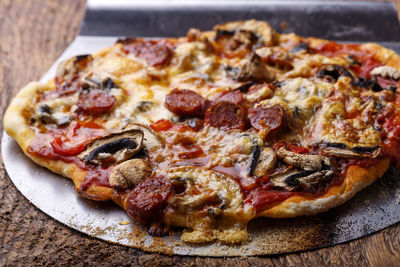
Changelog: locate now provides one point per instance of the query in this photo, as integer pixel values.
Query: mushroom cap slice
(386, 72)
(130, 173)
(115, 147)
(151, 140)
(260, 28)
(71, 66)
(290, 179)
(255, 70)
(303, 161)
(341, 151)
(266, 162)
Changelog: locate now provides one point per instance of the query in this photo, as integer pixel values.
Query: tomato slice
(64, 146)
(166, 125)
(74, 140)
(161, 125)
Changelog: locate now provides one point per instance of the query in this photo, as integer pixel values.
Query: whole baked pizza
(211, 130)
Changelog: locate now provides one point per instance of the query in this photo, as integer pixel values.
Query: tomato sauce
(264, 196)
(366, 60)
(66, 143)
(391, 134)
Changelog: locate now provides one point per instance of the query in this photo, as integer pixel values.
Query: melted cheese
(212, 206)
(319, 112)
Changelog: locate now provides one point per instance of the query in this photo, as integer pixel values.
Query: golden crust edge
(381, 53)
(357, 178)
(16, 127)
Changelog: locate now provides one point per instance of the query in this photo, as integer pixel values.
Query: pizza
(209, 131)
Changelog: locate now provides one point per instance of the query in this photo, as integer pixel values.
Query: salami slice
(226, 116)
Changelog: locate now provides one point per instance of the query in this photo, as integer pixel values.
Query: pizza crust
(17, 128)
(356, 179)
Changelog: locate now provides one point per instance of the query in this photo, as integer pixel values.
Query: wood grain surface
(33, 34)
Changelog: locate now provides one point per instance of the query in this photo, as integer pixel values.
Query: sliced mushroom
(45, 115)
(261, 29)
(333, 72)
(255, 70)
(151, 140)
(386, 72)
(352, 60)
(255, 156)
(308, 181)
(368, 84)
(144, 106)
(245, 37)
(72, 66)
(303, 161)
(223, 33)
(230, 71)
(115, 147)
(237, 38)
(106, 84)
(61, 118)
(262, 160)
(190, 196)
(278, 179)
(291, 179)
(266, 162)
(299, 48)
(130, 173)
(342, 151)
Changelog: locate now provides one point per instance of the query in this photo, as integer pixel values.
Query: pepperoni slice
(96, 101)
(155, 53)
(271, 118)
(147, 200)
(186, 103)
(231, 96)
(226, 116)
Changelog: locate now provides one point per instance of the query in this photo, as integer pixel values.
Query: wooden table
(32, 35)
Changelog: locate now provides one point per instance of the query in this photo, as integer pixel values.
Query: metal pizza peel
(371, 210)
